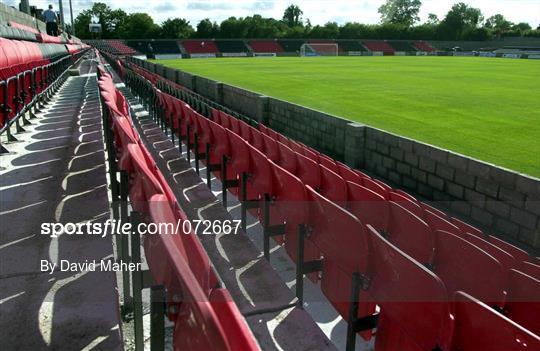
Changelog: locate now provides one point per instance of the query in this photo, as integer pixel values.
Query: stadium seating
(231, 46)
(463, 266)
(27, 70)
(265, 46)
(200, 46)
(400, 45)
(417, 260)
(423, 46)
(351, 45)
(523, 300)
(479, 327)
(115, 47)
(204, 315)
(378, 45)
(404, 291)
(291, 45)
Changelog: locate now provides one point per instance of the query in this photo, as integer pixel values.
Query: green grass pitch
(485, 108)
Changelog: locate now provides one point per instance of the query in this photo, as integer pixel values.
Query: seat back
(410, 234)
(505, 259)
(403, 288)
(341, 239)
(287, 158)
(463, 266)
(439, 223)
(367, 206)
(308, 171)
(405, 202)
(289, 205)
(523, 302)
(332, 186)
(238, 333)
(479, 327)
(271, 149)
(530, 269)
(519, 254)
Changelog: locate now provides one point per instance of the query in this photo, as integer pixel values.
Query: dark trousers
(52, 28)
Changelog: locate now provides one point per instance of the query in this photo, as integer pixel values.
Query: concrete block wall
(501, 201)
(498, 200)
(314, 128)
(8, 13)
(241, 100)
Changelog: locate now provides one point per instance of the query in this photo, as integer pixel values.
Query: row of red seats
(378, 46)
(205, 316)
(265, 46)
(397, 210)
(200, 46)
(247, 151)
(25, 73)
(491, 294)
(423, 46)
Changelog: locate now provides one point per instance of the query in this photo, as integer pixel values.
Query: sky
(318, 11)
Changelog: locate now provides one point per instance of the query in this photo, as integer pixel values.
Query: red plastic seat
(506, 260)
(329, 163)
(245, 131)
(530, 269)
(197, 327)
(332, 186)
(238, 160)
(238, 333)
(523, 302)
(288, 206)
(257, 139)
(414, 309)
(259, 175)
(406, 202)
(271, 149)
(463, 266)
(439, 223)
(367, 206)
(219, 147)
(143, 184)
(308, 171)
(342, 241)
(519, 254)
(374, 186)
(287, 158)
(410, 234)
(479, 327)
(348, 174)
(467, 228)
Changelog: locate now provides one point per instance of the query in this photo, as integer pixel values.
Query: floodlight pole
(61, 10)
(71, 14)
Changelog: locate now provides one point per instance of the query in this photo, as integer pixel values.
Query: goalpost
(319, 49)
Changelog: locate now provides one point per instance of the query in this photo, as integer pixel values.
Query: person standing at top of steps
(51, 21)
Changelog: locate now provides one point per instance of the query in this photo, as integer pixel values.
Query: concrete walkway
(56, 173)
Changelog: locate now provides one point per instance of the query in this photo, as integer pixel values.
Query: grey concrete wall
(208, 88)
(8, 13)
(498, 200)
(241, 100)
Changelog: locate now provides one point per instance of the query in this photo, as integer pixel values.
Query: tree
(433, 19)
(521, 27)
(176, 28)
(293, 16)
(110, 21)
(460, 17)
(207, 29)
(139, 26)
(401, 12)
(498, 24)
